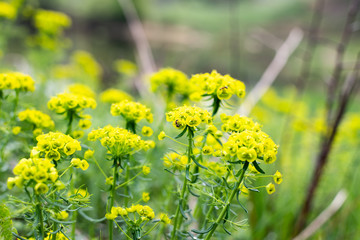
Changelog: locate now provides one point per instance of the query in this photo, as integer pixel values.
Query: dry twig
(277, 64)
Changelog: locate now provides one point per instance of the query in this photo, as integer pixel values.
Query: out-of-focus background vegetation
(236, 37)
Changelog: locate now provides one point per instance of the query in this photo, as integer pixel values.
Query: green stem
(74, 213)
(112, 197)
(228, 202)
(41, 218)
(16, 102)
(176, 219)
(69, 126)
(211, 209)
(54, 229)
(127, 177)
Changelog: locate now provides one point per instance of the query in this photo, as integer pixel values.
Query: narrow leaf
(203, 231)
(257, 167)
(182, 133)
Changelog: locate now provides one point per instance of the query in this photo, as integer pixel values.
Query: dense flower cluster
(215, 84)
(125, 67)
(7, 10)
(64, 102)
(119, 141)
(86, 62)
(238, 123)
(51, 22)
(175, 161)
(131, 111)
(82, 90)
(55, 145)
(187, 116)
(37, 172)
(113, 95)
(145, 212)
(173, 80)
(16, 81)
(39, 119)
(250, 146)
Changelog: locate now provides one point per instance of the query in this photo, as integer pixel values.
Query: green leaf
(6, 224)
(237, 198)
(203, 231)
(257, 167)
(182, 133)
(192, 193)
(227, 231)
(187, 173)
(182, 210)
(197, 163)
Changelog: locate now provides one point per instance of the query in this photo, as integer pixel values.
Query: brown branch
(348, 89)
(277, 64)
(142, 45)
(336, 75)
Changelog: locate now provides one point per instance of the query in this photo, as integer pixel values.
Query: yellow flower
(125, 67)
(131, 111)
(188, 116)
(7, 10)
(207, 150)
(62, 215)
(41, 188)
(278, 177)
(270, 188)
(161, 135)
(146, 170)
(37, 118)
(112, 95)
(145, 196)
(88, 154)
(146, 131)
(84, 123)
(165, 218)
(16, 130)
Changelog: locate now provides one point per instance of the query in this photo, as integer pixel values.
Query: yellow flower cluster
(36, 171)
(16, 81)
(215, 84)
(51, 22)
(131, 111)
(82, 90)
(64, 102)
(173, 80)
(78, 163)
(175, 161)
(145, 212)
(7, 11)
(54, 145)
(238, 123)
(59, 236)
(87, 63)
(184, 116)
(250, 146)
(125, 67)
(113, 95)
(119, 141)
(216, 168)
(38, 118)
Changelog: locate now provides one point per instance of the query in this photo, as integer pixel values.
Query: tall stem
(228, 202)
(127, 177)
(69, 126)
(112, 196)
(183, 190)
(41, 218)
(74, 213)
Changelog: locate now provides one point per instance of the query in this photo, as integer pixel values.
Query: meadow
(175, 138)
